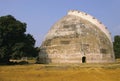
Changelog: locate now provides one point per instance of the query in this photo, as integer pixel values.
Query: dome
(77, 38)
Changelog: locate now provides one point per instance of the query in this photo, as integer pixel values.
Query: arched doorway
(83, 59)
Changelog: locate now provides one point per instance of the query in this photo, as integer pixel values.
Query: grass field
(51, 72)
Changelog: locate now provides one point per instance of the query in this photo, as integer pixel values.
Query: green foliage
(14, 43)
(117, 46)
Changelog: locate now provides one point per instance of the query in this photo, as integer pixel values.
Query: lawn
(63, 72)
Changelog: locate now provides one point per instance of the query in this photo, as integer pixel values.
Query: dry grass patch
(81, 72)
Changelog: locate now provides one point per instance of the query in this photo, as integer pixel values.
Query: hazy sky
(40, 15)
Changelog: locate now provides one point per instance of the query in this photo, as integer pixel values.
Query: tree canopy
(14, 42)
(116, 44)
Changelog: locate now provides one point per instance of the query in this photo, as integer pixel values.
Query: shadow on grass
(15, 63)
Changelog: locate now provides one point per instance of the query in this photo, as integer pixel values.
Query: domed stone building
(77, 38)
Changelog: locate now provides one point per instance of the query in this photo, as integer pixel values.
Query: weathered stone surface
(77, 38)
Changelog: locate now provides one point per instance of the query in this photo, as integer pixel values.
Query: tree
(14, 43)
(116, 44)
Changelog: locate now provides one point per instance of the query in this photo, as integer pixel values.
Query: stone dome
(77, 38)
